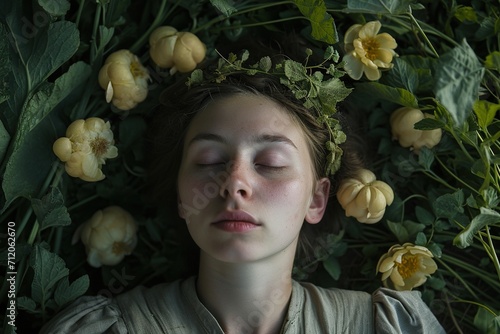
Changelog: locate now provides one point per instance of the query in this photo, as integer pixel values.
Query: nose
(238, 183)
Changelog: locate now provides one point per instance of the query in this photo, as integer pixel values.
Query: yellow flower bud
(108, 236)
(124, 79)
(87, 145)
(364, 197)
(406, 267)
(402, 126)
(179, 51)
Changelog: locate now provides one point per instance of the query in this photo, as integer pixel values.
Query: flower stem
(457, 276)
(157, 21)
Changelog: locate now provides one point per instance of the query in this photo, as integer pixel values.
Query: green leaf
(486, 322)
(29, 166)
(449, 205)
(4, 141)
(55, 7)
(379, 6)
(5, 66)
(403, 75)
(428, 124)
(294, 71)
(66, 293)
(397, 95)
(26, 303)
(457, 80)
(492, 61)
(333, 267)
(425, 158)
(398, 230)
(224, 6)
(322, 24)
(265, 64)
(424, 216)
(485, 112)
(486, 217)
(50, 210)
(421, 239)
(49, 269)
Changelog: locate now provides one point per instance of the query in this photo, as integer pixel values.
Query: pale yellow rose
(178, 51)
(367, 51)
(87, 145)
(108, 236)
(125, 80)
(364, 197)
(406, 267)
(402, 127)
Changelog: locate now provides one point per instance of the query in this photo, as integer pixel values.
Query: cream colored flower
(179, 51)
(108, 236)
(364, 197)
(406, 267)
(124, 79)
(402, 126)
(367, 51)
(87, 145)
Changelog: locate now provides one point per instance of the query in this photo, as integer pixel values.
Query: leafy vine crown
(318, 87)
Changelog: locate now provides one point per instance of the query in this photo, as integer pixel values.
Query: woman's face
(246, 180)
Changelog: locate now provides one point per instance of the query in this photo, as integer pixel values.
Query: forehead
(242, 114)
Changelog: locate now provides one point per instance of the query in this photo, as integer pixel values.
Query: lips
(235, 221)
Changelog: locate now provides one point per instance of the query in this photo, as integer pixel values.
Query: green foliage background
(447, 198)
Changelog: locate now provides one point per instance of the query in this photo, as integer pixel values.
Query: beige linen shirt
(175, 308)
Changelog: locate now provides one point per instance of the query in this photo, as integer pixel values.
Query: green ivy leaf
(397, 95)
(457, 80)
(486, 217)
(322, 24)
(49, 269)
(66, 293)
(379, 6)
(425, 158)
(55, 7)
(50, 210)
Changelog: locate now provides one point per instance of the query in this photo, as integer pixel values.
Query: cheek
(290, 196)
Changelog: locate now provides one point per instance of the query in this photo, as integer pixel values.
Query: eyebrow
(264, 138)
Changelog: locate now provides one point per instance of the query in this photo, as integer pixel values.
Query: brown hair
(180, 104)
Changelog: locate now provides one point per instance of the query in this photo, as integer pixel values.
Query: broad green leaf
(39, 63)
(224, 6)
(486, 217)
(484, 321)
(50, 95)
(421, 239)
(399, 231)
(457, 80)
(492, 61)
(403, 75)
(485, 112)
(29, 166)
(379, 6)
(50, 210)
(55, 7)
(322, 24)
(49, 269)
(397, 95)
(66, 293)
(424, 216)
(333, 267)
(465, 13)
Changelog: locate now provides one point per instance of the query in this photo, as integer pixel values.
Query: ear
(319, 200)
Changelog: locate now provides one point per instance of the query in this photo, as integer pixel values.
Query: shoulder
(121, 314)
(403, 312)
